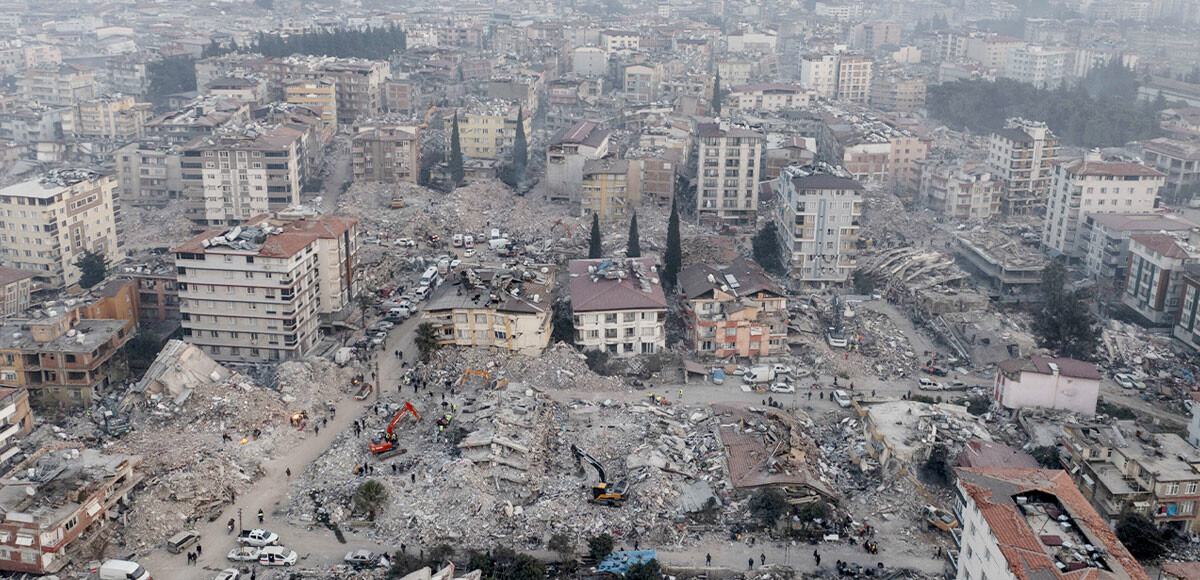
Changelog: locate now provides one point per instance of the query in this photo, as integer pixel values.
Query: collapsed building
(768, 447)
(901, 433)
(508, 308)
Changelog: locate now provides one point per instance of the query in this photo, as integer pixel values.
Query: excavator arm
(579, 454)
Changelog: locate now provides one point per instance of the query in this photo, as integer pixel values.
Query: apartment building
(508, 309)
(1050, 383)
(486, 130)
(872, 35)
(816, 215)
(359, 82)
(386, 153)
(785, 150)
(898, 94)
(1104, 239)
(16, 423)
(734, 310)
(1018, 523)
(119, 118)
(566, 154)
(1179, 160)
(619, 40)
(961, 193)
(150, 173)
(251, 89)
(1124, 467)
(1157, 261)
(199, 118)
(1023, 154)
(854, 78)
(1187, 329)
(652, 174)
(641, 82)
(1042, 67)
(49, 221)
(992, 50)
(58, 84)
(401, 95)
(319, 95)
(736, 72)
(589, 61)
(157, 294)
(53, 498)
(259, 292)
(1092, 186)
(819, 73)
(618, 306)
(727, 159)
(232, 175)
(15, 288)
(604, 189)
(64, 359)
(768, 97)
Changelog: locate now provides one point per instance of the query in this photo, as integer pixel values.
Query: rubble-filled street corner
(600, 289)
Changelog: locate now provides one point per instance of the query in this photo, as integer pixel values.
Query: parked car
(370, 240)
(179, 543)
(1128, 382)
(360, 558)
(782, 388)
(469, 252)
(841, 398)
(244, 554)
(228, 574)
(406, 243)
(258, 538)
(277, 556)
(781, 369)
(928, 384)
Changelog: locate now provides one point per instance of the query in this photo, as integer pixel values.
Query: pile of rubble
(148, 227)
(1128, 345)
(560, 366)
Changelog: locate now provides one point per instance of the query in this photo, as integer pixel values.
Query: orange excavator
(385, 446)
(565, 228)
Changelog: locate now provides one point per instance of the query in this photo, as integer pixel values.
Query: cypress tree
(595, 249)
(456, 159)
(520, 147)
(633, 248)
(716, 100)
(673, 258)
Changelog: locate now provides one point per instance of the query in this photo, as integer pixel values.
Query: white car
(244, 554)
(1128, 382)
(782, 388)
(841, 398)
(469, 252)
(360, 558)
(405, 243)
(928, 384)
(277, 556)
(370, 240)
(228, 574)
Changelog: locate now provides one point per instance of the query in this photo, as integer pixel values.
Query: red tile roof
(1111, 168)
(1161, 244)
(606, 295)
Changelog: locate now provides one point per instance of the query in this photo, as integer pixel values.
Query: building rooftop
(740, 278)
(10, 275)
(516, 289)
(583, 133)
(605, 165)
(992, 454)
(606, 285)
(1067, 367)
(1044, 526)
(1165, 245)
(725, 130)
(51, 184)
(1114, 168)
(269, 236)
(47, 487)
(1125, 222)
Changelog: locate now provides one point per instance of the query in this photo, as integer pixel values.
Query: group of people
(194, 557)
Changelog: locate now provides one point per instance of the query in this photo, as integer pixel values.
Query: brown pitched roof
(1111, 168)
(1067, 367)
(750, 278)
(1161, 244)
(10, 275)
(296, 236)
(605, 295)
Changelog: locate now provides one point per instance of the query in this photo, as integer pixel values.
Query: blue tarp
(619, 562)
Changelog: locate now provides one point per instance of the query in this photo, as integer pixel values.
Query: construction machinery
(385, 445)
(487, 377)
(397, 199)
(565, 228)
(602, 493)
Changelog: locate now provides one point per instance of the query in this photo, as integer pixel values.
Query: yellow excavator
(602, 493)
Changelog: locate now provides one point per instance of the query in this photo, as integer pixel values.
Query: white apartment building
(508, 309)
(817, 219)
(46, 223)
(1105, 241)
(768, 97)
(728, 158)
(236, 174)
(961, 193)
(1022, 154)
(1042, 67)
(618, 306)
(992, 50)
(1093, 186)
(258, 292)
(819, 73)
(589, 61)
(150, 173)
(619, 40)
(854, 78)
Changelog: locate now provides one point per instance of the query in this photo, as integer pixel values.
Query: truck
(498, 244)
(757, 375)
(343, 355)
(258, 538)
(123, 570)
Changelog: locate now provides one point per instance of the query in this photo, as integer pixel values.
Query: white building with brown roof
(504, 308)
(1094, 186)
(618, 306)
(1051, 383)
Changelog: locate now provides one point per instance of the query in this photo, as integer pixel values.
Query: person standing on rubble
(261, 515)
(762, 558)
(751, 565)
(708, 559)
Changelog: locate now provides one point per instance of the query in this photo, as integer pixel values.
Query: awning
(692, 366)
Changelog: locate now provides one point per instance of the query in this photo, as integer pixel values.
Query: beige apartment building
(15, 288)
(498, 308)
(854, 78)
(961, 193)
(899, 94)
(319, 95)
(259, 292)
(817, 219)
(150, 173)
(386, 153)
(728, 160)
(769, 97)
(236, 174)
(58, 84)
(618, 306)
(1022, 154)
(1094, 186)
(118, 118)
(46, 223)
(605, 189)
(486, 130)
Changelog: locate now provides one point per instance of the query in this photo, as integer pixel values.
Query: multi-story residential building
(750, 41)
(1187, 329)
(819, 73)
(768, 97)
(128, 75)
(1042, 67)
(565, 156)
(1052, 383)
(641, 82)
(785, 150)
(1022, 154)
(157, 294)
(118, 118)
(816, 215)
(77, 211)
(508, 310)
(619, 40)
(906, 152)
(259, 292)
(618, 306)
(872, 35)
(728, 157)
(854, 78)
(62, 358)
(1179, 160)
(386, 153)
(1104, 239)
(899, 94)
(523, 89)
(58, 84)
(235, 174)
(53, 498)
(401, 95)
(150, 173)
(652, 174)
(589, 61)
(1125, 467)
(961, 193)
(735, 310)
(1092, 186)
(15, 287)
(992, 50)
(604, 189)
(1153, 286)
(319, 95)
(17, 421)
(359, 82)
(736, 72)
(487, 129)
(198, 119)
(1012, 527)
(251, 89)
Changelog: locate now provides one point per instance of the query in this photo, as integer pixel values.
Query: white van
(928, 384)
(123, 570)
(841, 398)
(430, 273)
(457, 240)
(498, 244)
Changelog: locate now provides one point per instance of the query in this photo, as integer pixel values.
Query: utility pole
(240, 528)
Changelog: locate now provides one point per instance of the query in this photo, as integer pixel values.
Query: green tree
(716, 95)
(766, 249)
(864, 282)
(1047, 456)
(1141, 537)
(644, 571)
(673, 257)
(93, 268)
(813, 511)
(170, 75)
(633, 247)
(426, 340)
(369, 497)
(143, 347)
(503, 563)
(1064, 324)
(562, 323)
(599, 547)
(595, 247)
(768, 505)
(562, 544)
(457, 174)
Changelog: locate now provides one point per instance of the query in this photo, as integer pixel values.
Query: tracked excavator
(603, 493)
(385, 446)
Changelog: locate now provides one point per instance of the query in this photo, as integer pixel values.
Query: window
(610, 333)
(610, 318)
(730, 332)
(480, 319)
(1172, 489)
